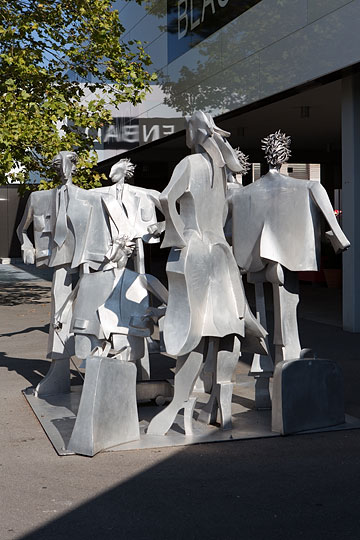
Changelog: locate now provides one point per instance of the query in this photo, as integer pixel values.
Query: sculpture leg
(139, 263)
(205, 379)
(262, 366)
(143, 364)
(227, 351)
(188, 368)
(60, 348)
(286, 332)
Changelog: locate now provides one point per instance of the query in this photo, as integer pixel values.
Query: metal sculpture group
(106, 319)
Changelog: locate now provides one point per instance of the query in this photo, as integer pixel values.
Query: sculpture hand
(28, 255)
(155, 313)
(337, 245)
(153, 229)
(57, 325)
(130, 248)
(156, 229)
(56, 321)
(120, 250)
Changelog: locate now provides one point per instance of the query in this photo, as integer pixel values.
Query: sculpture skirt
(206, 296)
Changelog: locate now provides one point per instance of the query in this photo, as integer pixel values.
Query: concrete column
(351, 200)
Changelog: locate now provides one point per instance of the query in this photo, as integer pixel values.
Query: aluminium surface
(57, 415)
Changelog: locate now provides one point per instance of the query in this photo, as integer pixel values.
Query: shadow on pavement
(31, 369)
(14, 294)
(285, 489)
(28, 330)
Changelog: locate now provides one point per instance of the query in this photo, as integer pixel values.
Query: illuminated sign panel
(191, 21)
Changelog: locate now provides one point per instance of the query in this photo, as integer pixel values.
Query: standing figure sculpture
(52, 248)
(276, 233)
(138, 204)
(74, 229)
(207, 304)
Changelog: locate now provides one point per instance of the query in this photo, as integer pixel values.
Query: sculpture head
(277, 149)
(65, 164)
(203, 132)
(245, 167)
(122, 170)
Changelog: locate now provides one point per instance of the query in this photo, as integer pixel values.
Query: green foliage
(60, 62)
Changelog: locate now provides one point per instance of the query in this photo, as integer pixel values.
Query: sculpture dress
(206, 295)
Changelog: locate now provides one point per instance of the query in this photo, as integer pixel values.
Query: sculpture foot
(221, 398)
(162, 422)
(225, 391)
(189, 407)
(187, 370)
(57, 379)
(208, 414)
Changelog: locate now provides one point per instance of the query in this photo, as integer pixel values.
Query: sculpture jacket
(139, 204)
(92, 223)
(277, 218)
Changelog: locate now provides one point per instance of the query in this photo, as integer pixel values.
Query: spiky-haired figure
(138, 203)
(235, 179)
(277, 149)
(123, 168)
(276, 233)
(243, 160)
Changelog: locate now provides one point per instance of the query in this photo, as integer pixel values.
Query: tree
(61, 61)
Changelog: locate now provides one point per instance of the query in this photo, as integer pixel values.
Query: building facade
(256, 66)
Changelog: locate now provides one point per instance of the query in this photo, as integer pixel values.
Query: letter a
(205, 5)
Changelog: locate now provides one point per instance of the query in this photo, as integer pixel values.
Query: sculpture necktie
(119, 194)
(61, 219)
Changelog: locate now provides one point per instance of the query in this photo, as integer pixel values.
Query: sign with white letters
(191, 21)
(126, 133)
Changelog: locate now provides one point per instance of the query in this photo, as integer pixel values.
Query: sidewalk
(297, 487)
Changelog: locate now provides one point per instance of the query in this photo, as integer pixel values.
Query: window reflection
(191, 21)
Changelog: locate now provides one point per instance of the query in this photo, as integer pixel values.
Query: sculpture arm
(336, 236)
(227, 216)
(154, 196)
(148, 214)
(174, 230)
(27, 248)
(156, 288)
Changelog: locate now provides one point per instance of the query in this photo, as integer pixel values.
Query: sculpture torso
(202, 205)
(139, 206)
(276, 218)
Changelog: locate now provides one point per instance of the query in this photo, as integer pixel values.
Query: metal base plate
(57, 415)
